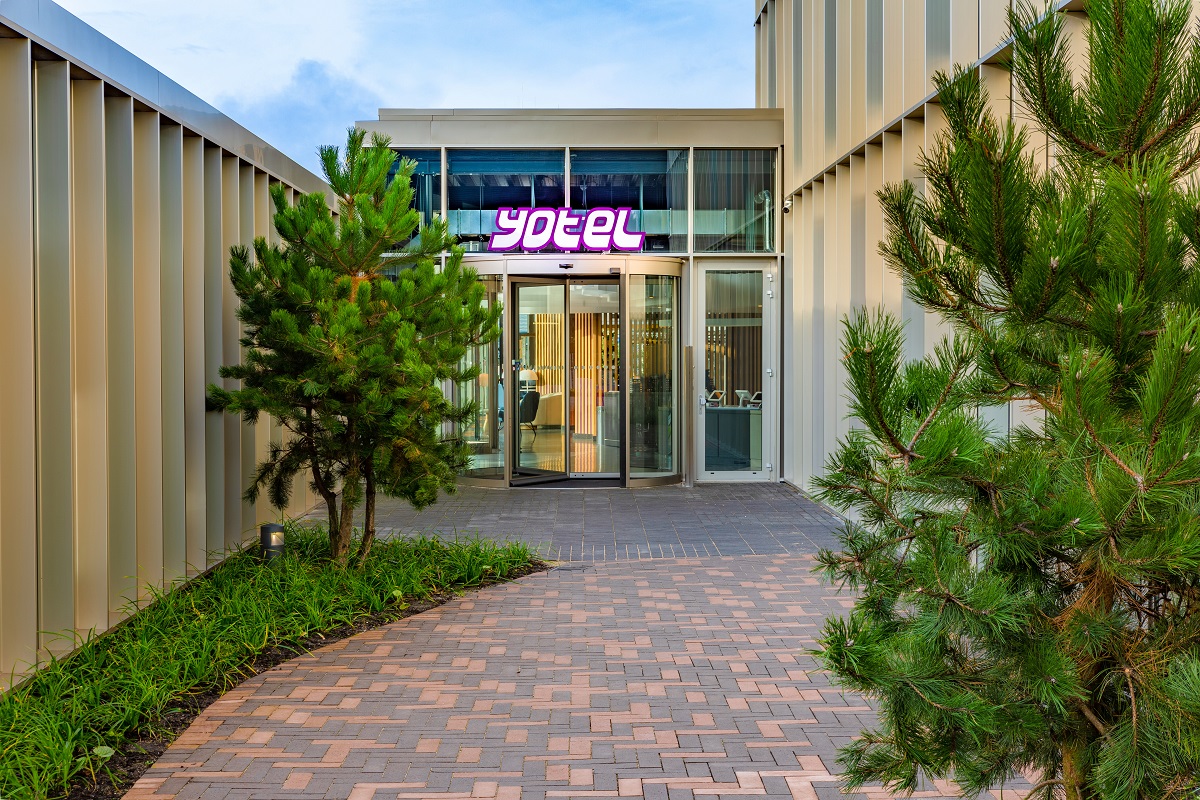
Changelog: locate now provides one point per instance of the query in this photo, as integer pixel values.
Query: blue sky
(298, 72)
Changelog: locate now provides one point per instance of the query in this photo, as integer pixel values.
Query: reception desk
(732, 438)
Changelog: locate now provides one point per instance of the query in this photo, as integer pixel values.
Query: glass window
(651, 182)
(482, 181)
(483, 430)
(426, 181)
(735, 209)
(733, 371)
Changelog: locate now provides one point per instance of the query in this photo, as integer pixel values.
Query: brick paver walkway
(608, 524)
(664, 678)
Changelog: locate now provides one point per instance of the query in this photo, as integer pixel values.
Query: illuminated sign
(564, 229)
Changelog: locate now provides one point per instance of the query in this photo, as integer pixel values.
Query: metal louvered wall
(854, 79)
(119, 197)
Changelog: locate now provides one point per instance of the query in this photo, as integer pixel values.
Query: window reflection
(653, 350)
(426, 181)
(733, 371)
(483, 181)
(735, 209)
(483, 430)
(653, 183)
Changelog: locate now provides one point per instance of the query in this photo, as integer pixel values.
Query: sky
(298, 72)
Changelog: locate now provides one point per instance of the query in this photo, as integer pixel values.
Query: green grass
(64, 723)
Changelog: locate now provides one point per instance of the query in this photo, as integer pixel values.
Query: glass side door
(539, 392)
(594, 377)
(653, 366)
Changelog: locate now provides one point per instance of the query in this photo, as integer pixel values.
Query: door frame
(771, 395)
(513, 365)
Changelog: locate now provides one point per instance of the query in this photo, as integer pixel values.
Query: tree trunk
(368, 519)
(1074, 777)
(330, 497)
(323, 488)
(339, 538)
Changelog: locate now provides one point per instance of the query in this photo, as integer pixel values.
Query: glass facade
(482, 181)
(654, 183)
(733, 195)
(426, 181)
(735, 208)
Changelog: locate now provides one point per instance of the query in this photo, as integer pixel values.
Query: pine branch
(1091, 717)
(937, 407)
(1147, 97)
(1113, 457)
(1046, 784)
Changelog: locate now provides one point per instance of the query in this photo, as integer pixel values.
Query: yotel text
(564, 229)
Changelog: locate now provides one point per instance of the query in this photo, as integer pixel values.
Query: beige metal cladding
(854, 78)
(120, 195)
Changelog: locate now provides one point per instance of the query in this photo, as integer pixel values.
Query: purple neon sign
(565, 229)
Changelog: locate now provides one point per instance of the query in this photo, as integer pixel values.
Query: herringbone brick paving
(667, 679)
(614, 524)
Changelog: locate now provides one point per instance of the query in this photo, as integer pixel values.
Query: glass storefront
(593, 376)
(735, 203)
(483, 181)
(654, 183)
(733, 371)
(587, 380)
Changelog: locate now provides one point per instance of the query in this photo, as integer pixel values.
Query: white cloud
(294, 69)
(222, 47)
(313, 108)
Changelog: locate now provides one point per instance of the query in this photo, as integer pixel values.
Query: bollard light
(270, 537)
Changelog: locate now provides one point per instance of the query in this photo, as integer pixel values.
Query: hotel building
(707, 353)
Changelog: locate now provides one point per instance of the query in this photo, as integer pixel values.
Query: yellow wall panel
(231, 351)
(53, 291)
(214, 348)
(122, 415)
(172, 320)
(90, 331)
(249, 432)
(266, 430)
(194, 424)
(18, 498)
(147, 325)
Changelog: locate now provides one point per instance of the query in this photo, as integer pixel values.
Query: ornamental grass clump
(1029, 603)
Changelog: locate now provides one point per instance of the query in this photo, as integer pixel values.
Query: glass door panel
(538, 420)
(594, 368)
(733, 388)
(483, 431)
(653, 349)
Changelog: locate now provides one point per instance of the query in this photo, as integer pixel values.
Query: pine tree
(1030, 603)
(349, 340)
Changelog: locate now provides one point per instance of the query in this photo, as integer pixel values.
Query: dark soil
(135, 757)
